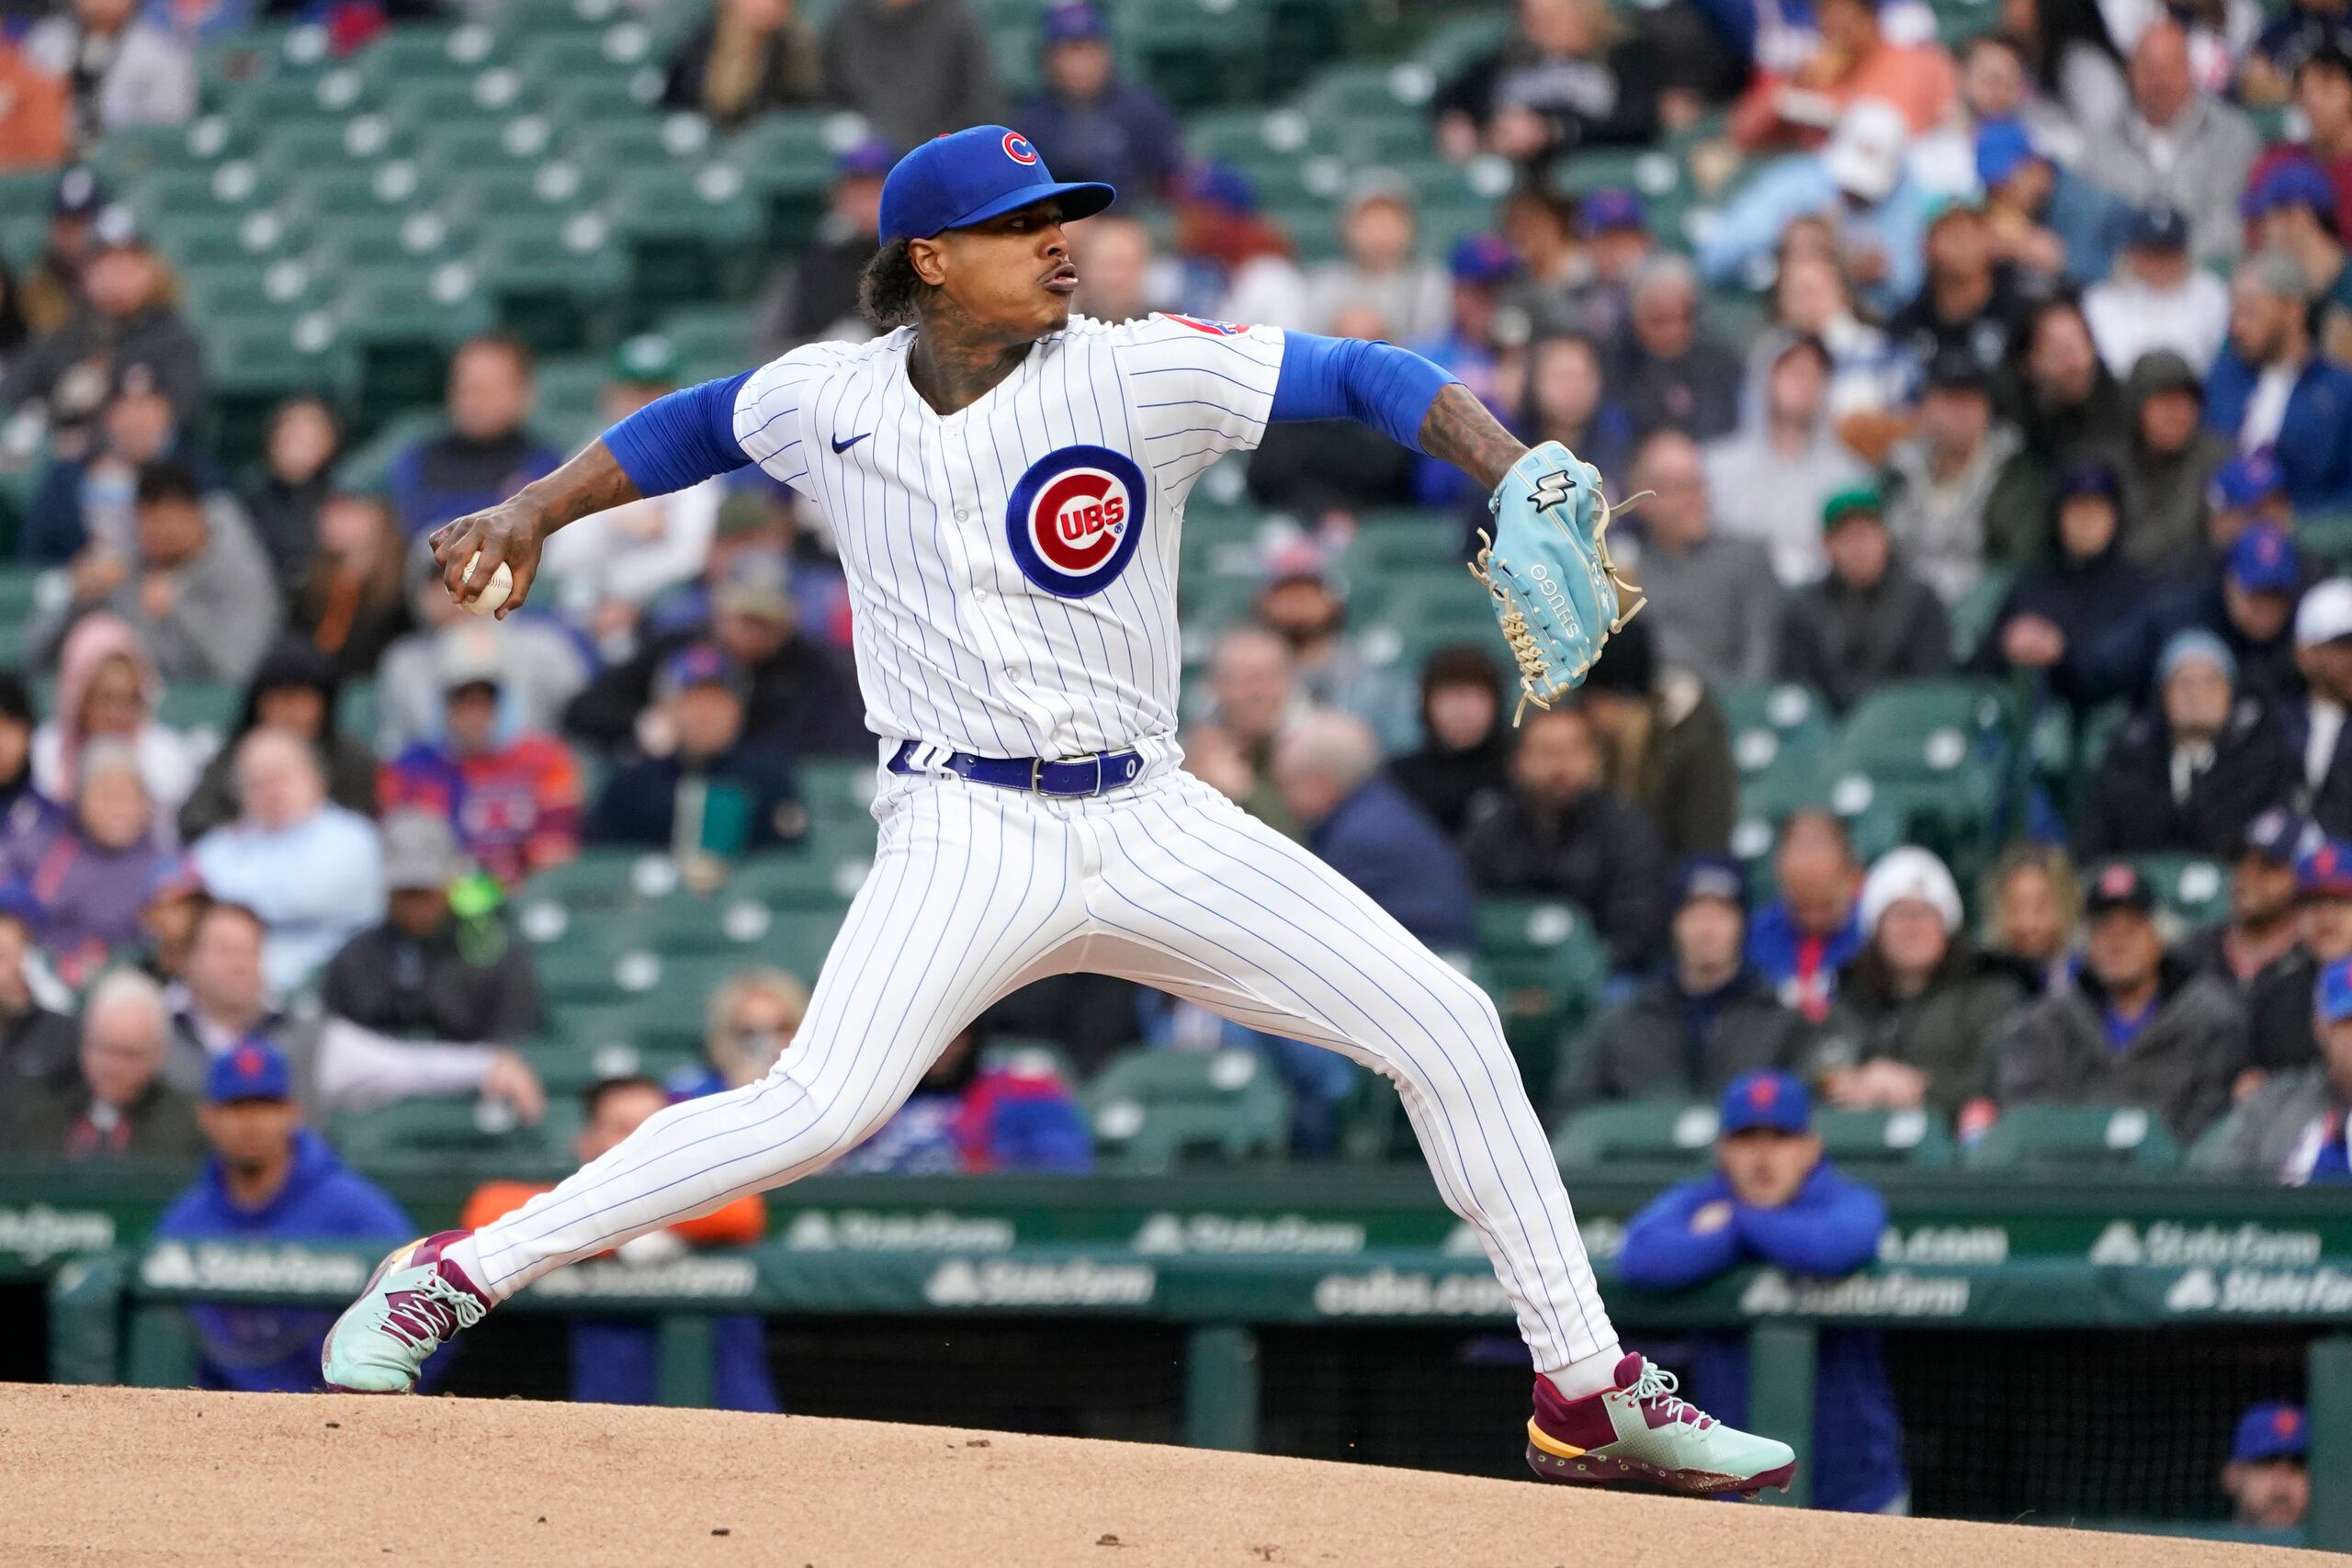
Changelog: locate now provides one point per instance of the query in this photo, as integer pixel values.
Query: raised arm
(1405, 397)
(669, 444)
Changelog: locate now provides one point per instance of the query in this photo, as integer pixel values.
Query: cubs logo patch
(1075, 519)
(1203, 325)
(1017, 148)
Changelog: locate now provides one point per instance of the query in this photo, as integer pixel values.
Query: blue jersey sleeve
(1378, 384)
(676, 442)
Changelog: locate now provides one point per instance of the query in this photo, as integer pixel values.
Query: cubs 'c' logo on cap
(1075, 519)
(1017, 148)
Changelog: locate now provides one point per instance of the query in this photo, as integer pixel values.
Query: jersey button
(979, 593)
(962, 516)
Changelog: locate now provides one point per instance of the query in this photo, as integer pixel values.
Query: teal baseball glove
(1557, 592)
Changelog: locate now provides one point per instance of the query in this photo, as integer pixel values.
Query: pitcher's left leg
(1199, 898)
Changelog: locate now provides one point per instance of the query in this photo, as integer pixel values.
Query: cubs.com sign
(1075, 519)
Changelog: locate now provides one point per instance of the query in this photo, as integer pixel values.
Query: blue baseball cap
(250, 1069)
(2159, 228)
(2196, 642)
(869, 155)
(700, 664)
(2088, 478)
(2331, 994)
(1074, 21)
(2274, 1429)
(2276, 835)
(1766, 1098)
(1220, 185)
(17, 903)
(2265, 560)
(971, 177)
(1709, 874)
(2325, 871)
(2002, 147)
(2296, 182)
(2247, 480)
(1482, 258)
(1611, 207)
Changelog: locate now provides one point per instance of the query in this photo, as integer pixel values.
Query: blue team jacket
(268, 1348)
(1830, 1227)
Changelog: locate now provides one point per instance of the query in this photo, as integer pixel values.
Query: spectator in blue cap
(2280, 1034)
(1773, 1199)
(715, 792)
(1703, 1020)
(2292, 1129)
(915, 69)
(2270, 387)
(748, 57)
(270, 1179)
(2294, 212)
(1092, 122)
(2249, 603)
(2053, 614)
(2257, 936)
(1237, 263)
(1479, 267)
(813, 298)
(2246, 490)
(2269, 1477)
(2139, 1027)
(2158, 298)
(2045, 218)
(2188, 776)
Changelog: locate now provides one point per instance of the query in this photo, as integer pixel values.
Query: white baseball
(494, 592)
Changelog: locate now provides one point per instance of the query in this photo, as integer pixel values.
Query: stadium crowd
(2053, 351)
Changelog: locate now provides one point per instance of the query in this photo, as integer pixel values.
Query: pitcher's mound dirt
(123, 1476)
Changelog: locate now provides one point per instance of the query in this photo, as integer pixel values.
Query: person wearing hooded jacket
(294, 687)
(107, 687)
(2054, 614)
(1771, 476)
(2166, 465)
(1920, 1009)
(1466, 745)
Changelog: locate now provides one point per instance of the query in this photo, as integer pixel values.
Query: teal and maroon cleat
(1638, 1434)
(415, 1301)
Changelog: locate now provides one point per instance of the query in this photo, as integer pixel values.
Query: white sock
(467, 1257)
(1585, 1376)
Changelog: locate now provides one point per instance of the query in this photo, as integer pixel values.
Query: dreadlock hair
(889, 288)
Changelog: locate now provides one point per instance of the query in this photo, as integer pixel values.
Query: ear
(929, 259)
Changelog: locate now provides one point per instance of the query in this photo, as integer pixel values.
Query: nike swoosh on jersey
(839, 446)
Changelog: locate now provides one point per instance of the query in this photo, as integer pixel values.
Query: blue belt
(1072, 777)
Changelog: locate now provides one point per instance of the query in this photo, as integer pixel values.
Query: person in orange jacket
(616, 1360)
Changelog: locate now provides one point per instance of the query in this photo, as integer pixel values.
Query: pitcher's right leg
(972, 887)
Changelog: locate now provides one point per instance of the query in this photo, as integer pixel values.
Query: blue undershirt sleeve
(1378, 384)
(678, 441)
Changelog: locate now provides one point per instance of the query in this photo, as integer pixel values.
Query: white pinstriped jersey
(1011, 566)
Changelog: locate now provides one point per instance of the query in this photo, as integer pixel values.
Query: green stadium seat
(1971, 617)
(2073, 1137)
(201, 708)
(456, 1134)
(2328, 534)
(1646, 1131)
(494, 96)
(1541, 963)
(691, 235)
(710, 340)
(1196, 53)
(266, 110)
(259, 52)
(608, 57)
(1154, 1110)
(403, 56)
(1882, 1138)
(553, 276)
(604, 879)
(250, 364)
(800, 878)
(2195, 890)
(1778, 735)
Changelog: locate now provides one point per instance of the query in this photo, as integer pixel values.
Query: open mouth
(1062, 280)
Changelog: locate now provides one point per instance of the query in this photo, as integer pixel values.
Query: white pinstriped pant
(977, 891)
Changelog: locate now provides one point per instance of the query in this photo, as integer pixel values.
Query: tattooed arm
(669, 445)
(512, 531)
(1405, 397)
(1459, 430)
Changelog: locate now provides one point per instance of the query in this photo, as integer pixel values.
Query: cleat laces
(1656, 1384)
(428, 1314)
